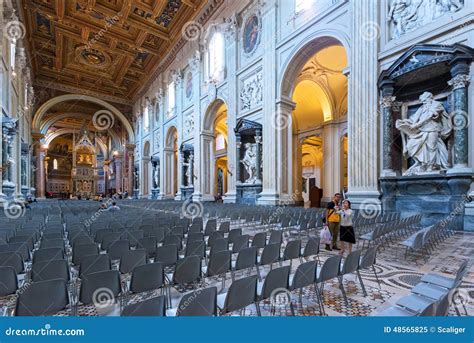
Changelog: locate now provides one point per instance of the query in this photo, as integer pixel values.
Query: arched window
(55, 164)
(146, 119)
(216, 57)
(171, 98)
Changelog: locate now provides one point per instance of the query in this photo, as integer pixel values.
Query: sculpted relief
(408, 15)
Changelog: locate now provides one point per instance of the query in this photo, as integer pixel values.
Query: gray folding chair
(117, 248)
(220, 263)
(154, 307)
(292, 251)
(43, 298)
(350, 265)
(12, 259)
(328, 271)
(8, 281)
(131, 259)
(241, 294)
(109, 280)
(94, 263)
(83, 250)
(304, 276)
(368, 261)
(276, 280)
(246, 259)
(312, 248)
(50, 270)
(202, 302)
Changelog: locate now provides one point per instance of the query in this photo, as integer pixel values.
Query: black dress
(346, 234)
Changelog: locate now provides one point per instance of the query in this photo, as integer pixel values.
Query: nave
(78, 258)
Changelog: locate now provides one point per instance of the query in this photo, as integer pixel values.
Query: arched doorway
(214, 144)
(59, 162)
(146, 170)
(317, 150)
(171, 163)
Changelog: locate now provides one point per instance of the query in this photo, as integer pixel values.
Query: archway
(214, 140)
(171, 163)
(317, 152)
(146, 170)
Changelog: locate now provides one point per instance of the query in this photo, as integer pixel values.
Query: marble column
(118, 173)
(363, 116)
(130, 148)
(191, 170)
(106, 168)
(460, 120)
(386, 104)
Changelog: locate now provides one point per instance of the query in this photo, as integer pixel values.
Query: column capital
(130, 147)
(459, 81)
(387, 101)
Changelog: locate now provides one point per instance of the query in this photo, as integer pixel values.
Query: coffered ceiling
(106, 48)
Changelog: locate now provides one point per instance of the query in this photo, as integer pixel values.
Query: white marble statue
(250, 162)
(423, 136)
(156, 175)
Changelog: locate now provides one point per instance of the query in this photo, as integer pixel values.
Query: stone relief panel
(188, 125)
(407, 15)
(251, 92)
(156, 141)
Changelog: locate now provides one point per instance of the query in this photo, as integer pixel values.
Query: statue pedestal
(436, 197)
(135, 193)
(155, 192)
(248, 193)
(187, 192)
(8, 188)
(24, 190)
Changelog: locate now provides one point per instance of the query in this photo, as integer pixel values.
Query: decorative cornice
(77, 90)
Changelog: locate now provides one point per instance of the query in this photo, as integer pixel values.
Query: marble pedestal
(24, 190)
(155, 192)
(187, 192)
(434, 196)
(8, 188)
(248, 193)
(135, 194)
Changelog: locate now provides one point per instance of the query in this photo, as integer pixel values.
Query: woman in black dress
(346, 231)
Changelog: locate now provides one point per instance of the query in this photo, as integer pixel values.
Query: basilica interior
(257, 158)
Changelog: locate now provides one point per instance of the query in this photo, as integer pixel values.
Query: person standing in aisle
(332, 219)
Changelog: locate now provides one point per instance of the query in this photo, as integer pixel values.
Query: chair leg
(292, 309)
(376, 276)
(361, 283)
(320, 300)
(257, 307)
(343, 291)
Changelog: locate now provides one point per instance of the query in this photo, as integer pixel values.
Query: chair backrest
(270, 254)
(117, 248)
(28, 240)
(48, 254)
(192, 237)
(462, 270)
(93, 283)
(80, 251)
(276, 279)
(369, 258)
(159, 233)
(187, 270)
(312, 247)
(240, 242)
(241, 294)
(305, 275)
(79, 240)
(219, 244)
(259, 240)
(197, 248)
(351, 263)
(42, 298)
(99, 234)
(219, 263)
(12, 259)
(109, 238)
(211, 226)
(154, 307)
(247, 258)
(131, 259)
(149, 244)
(174, 240)
(202, 302)
(147, 277)
(276, 236)
(20, 248)
(50, 270)
(292, 250)
(94, 263)
(134, 236)
(213, 236)
(167, 255)
(234, 233)
(9, 281)
(330, 269)
(224, 227)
